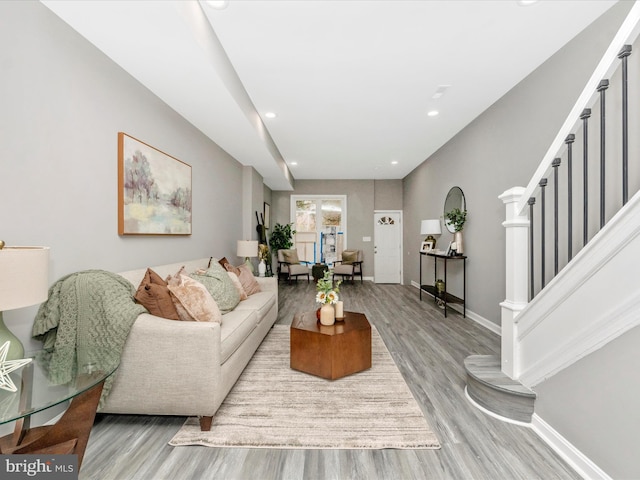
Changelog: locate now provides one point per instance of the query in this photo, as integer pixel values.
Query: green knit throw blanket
(86, 321)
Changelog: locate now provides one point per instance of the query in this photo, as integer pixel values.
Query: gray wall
(363, 196)
(63, 103)
(500, 149)
(594, 404)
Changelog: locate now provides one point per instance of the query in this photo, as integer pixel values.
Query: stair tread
(487, 369)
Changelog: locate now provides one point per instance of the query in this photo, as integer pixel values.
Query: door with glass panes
(320, 224)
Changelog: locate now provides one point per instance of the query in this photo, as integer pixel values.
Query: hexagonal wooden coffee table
(330, 352)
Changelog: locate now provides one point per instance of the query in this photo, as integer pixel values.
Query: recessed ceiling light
(270, 115)
(440, 91)
(394, 162)
(526, 3)
(293, 164)
(433, 113)
(218, 4)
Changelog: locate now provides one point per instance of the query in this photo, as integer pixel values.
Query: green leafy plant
(457, 218)
(282, 237)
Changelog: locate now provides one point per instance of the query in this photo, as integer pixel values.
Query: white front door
(387, 247)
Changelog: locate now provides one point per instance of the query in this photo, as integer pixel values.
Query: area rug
(273, 406)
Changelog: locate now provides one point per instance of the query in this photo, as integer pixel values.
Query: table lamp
(247, 249)
(430, 228)
(24, 281)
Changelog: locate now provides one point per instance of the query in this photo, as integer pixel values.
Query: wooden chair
(350, 265)
(289, 265)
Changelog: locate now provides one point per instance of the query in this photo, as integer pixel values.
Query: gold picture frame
(154, 190)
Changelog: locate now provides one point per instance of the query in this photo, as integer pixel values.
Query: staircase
(494, 391)
(561, 305)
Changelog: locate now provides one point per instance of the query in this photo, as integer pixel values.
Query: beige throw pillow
(194, 298)
(290, 256)
(236, 281)
(349, 256)
(248, 281)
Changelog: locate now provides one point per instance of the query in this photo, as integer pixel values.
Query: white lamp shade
(430, 227)
(24, 276)
(247, 248)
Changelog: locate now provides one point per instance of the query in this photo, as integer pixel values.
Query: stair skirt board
(491, 389)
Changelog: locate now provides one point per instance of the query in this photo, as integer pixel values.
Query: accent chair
(350, 265)
(290, 266)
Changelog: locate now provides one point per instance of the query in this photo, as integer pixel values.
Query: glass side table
(37, 392)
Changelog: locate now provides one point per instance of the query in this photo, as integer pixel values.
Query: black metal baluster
(543, 184)
(531, 202)
(602, 88)
(569, 141)
(555, 164)
(624, 53)
(584, 116)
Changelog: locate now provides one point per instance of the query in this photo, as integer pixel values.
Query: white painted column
(517, 278)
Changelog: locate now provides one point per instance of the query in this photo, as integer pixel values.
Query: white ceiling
(351, 81)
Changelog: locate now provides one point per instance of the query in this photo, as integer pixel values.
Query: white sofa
(170, 367)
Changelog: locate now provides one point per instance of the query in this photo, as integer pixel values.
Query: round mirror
(455, 199)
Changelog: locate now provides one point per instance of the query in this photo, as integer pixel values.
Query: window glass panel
(305, 216)
(331, 213)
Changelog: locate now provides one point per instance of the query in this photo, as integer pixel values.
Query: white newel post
(517, 278)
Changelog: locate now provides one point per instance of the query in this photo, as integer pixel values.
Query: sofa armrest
(168, 367)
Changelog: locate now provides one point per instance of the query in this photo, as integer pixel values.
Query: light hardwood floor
(429, 351)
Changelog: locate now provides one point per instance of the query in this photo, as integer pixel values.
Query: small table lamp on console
(24, 281)
(430, 228)
(247, 249)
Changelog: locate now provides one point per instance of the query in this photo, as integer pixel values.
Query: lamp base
(431, 238)
(16, 350)
(247, 262)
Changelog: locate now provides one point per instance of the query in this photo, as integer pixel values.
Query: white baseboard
(574, 457)
(479, 319)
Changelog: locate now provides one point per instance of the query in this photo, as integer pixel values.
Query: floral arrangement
(263, 252)
(327, 292)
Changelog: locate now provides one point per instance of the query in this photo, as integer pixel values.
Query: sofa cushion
(234, 330)
(219, 285)
(236, 281)
(248, 281)
(154, 295)
(261, 302)
(194, 299)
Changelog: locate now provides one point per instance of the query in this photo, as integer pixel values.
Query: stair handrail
(627, 33)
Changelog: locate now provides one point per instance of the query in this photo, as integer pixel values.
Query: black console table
(445, 297)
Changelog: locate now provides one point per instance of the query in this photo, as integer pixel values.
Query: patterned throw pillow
(219, 285)
(290, 256)
(154, 295)
(194, 299)
(349, 256)
(249, 283)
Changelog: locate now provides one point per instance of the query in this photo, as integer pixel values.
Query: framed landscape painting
(154, 190)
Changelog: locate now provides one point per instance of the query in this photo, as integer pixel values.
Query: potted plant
(281, 237)
(457, 219)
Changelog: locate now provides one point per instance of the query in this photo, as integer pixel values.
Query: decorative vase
(440, 286)
(457, 237)
(262, 268)
(327, 314)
